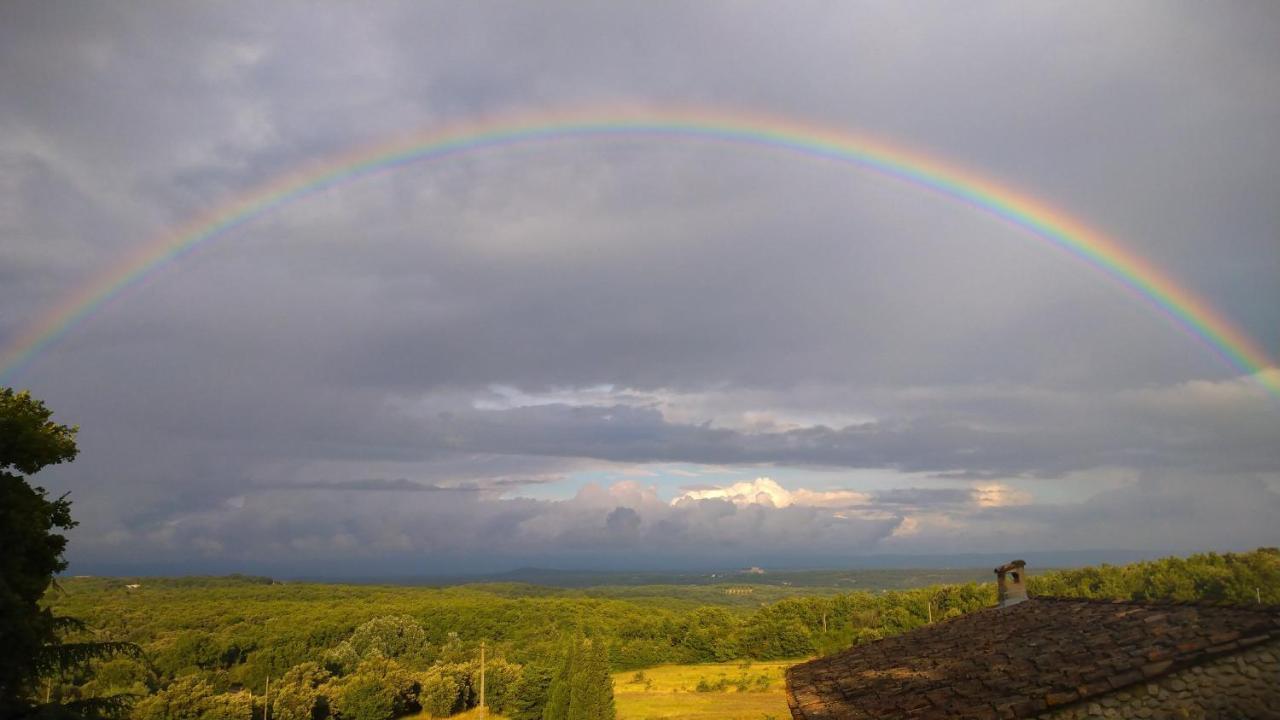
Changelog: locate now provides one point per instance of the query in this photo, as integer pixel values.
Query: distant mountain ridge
(872, 572)
(852, 572)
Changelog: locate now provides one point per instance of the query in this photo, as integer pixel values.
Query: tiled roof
(1019, 661)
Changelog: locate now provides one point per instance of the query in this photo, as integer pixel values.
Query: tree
(591, 690)
(560, 691)
(582, 689)
(379, 689)
(395, 637)
(29, 441)
(190, 651)
(120, 675)
(708, 634)
(191, 698)
(529, 696)
(443, 690)
(299, 694)
(501, 678)
(365, 697)
(31, 636)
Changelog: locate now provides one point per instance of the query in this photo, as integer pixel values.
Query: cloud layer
(431, 366)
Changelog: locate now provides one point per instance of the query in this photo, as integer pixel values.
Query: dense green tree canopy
(32, 547)
(29, 439)
(299, 694)
(529, 696)
(396, 637)
(192, 698)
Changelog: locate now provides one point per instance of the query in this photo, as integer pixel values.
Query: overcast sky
(643, 352)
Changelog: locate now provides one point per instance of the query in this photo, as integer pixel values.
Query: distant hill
(858, 579)
(871, 572)
(867, 572)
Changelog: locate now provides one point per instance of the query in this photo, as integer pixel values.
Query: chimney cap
(1014, 565)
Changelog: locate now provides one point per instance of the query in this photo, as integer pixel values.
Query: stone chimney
(1011, 583)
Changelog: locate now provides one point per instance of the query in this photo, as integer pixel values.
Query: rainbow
(1035, 217)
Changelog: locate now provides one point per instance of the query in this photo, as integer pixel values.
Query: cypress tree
(591, 696)
(529, 698)
(558, 696)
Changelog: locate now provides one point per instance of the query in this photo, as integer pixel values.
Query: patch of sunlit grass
(729, 691)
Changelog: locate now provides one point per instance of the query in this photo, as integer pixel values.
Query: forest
(210, 645)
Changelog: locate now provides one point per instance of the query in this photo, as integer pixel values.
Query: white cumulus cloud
(766, 491)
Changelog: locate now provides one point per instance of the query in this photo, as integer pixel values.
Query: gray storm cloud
(599, 527)
(321, 382)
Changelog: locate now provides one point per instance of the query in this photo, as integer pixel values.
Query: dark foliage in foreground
(37, 644)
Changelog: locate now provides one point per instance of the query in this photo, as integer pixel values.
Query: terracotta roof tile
(1021, 660)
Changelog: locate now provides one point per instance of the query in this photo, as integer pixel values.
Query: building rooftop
(1021, 660)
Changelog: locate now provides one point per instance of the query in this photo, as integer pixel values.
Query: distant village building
(753, 570)
(1056, 658)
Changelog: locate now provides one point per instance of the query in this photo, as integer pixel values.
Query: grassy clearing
(730, 691)
(670, 692)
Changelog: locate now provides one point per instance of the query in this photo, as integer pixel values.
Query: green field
(670, 692)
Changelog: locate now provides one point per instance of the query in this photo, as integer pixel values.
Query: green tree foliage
(529, 696)
(454, 652)
(119, 675)
(1228, 577)
(561, 689)
(191, 651)
(775, 633)
(591, 686)
(33, 550)
(582, 688)
(379, 689)
(366, 697)
(395, 637)
(35, 643)
(301, 693)
(444, 690)
(29, 439)
(500, 681)
(709, 634)
(192, 698)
